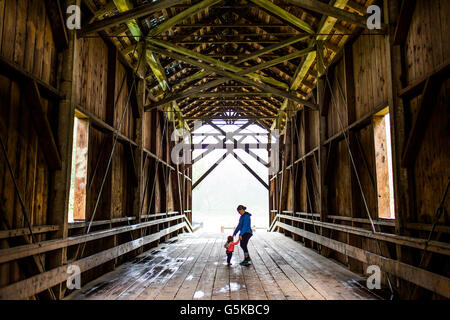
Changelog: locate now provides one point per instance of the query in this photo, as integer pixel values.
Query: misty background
(215, 199)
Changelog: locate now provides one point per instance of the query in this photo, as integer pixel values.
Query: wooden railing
(381, 222)
(45, 280)
(421, 277)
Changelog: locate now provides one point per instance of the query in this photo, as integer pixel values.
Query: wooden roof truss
(213, 58)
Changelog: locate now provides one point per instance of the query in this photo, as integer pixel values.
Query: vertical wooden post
(59, 195)
(138, 157)
(138, 151)
(290, 187)
(111, 84)
(323, 192)
(395, 76)
(106, 212)
(291, 205)
(349, 87)
(283, 183)
(395, 71)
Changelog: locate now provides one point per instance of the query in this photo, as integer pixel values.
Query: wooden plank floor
(193, 266)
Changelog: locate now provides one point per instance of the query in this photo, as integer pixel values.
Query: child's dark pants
(229, 255)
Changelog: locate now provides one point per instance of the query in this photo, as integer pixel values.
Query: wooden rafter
(217, 63)
(227, 75)
(284, 15)
(128, 15)
(331, 11)
(302, 71)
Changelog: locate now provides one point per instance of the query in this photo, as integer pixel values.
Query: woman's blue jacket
(244, 224)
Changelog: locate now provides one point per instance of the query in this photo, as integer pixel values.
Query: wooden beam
(241, 109)
(230, 25)
(132, 24)
(433, 246)
(57, 23)
(218, 63)
(254, 55)
(416, 87)
(150, 58)
(111, 85)
(106, 9)
(138, 157)
(125, 16)
(284, 15)
(428, 101)
(82, 224)
(329, 10)
(158, 70)
(271, 63)
(154, 156)
(229, 118)
(28, 250)
(59, 200)
(426, 279)
(133, 99)
(231, 94)
(166, 25)
(105, 127)
(404, 21)
(42, 126)
(18, 73)
(234, 76)
(273, 47)
(323, 32)
(31, 286)
(5, 234)
(235, 40)
(350, 99)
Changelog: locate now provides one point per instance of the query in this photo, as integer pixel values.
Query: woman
(246, 233)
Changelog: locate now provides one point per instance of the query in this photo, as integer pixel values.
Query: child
(230, 248)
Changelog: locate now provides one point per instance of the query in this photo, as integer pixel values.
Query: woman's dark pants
(244, 242)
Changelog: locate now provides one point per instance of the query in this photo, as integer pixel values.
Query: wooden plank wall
(91, 84)
(26, 39)
(426, 48)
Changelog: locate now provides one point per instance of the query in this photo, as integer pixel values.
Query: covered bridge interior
(357, 132)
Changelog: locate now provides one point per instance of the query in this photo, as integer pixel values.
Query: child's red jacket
(230, 247)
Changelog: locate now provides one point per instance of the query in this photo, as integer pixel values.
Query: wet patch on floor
(233, 286)
(199, 294)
